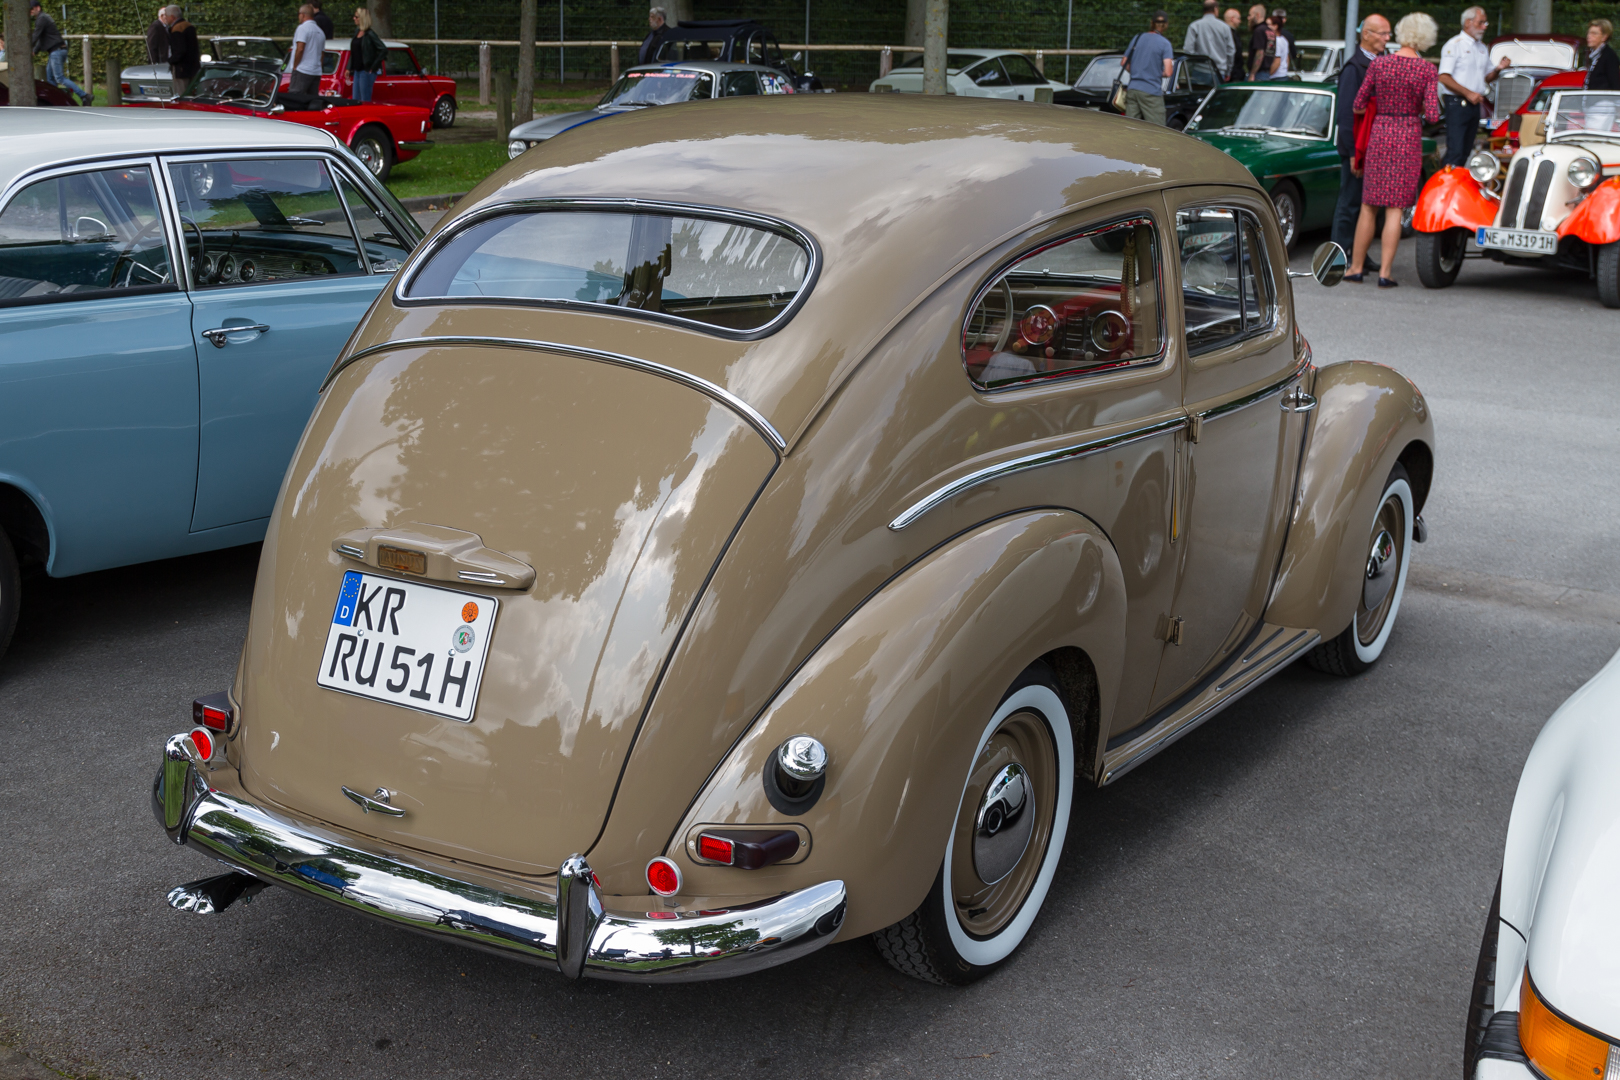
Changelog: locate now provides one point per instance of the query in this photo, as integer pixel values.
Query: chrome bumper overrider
(570, 929)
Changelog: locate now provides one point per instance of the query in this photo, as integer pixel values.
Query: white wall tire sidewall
(994, 949)
(1369, 653)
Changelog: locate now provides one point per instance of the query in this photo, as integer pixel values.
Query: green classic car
(1283, 133)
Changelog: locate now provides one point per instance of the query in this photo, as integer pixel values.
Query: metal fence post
(483, 73)
(885, 62)
(89, 69)
(1040, 61)
(613, 62)
(115, 94)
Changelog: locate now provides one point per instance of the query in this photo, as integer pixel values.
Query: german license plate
(407, 644)
(1529, 241)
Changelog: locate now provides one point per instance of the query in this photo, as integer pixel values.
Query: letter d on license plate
(407, 644)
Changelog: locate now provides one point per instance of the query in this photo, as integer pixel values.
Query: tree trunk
(916, 20)
(680, 11)
(380, 16)
(1330, 21)
(523, 106)
(938, 12)
(20, 75)
(1532, 16)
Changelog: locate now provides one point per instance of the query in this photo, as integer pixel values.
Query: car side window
(738, 83)
(703, 88)
(84, 235)
(988, 73)
(1227, 288)
(774, 83)
(385, 249)
(1021, 71)
(1203, 75)
(400, 63)
(256, 220)
(1088, 302)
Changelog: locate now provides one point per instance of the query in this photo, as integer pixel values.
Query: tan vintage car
(742, 525)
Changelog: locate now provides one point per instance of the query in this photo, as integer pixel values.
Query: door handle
(220, 336)
(1294, 399)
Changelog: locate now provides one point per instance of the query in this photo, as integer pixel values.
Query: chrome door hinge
(1195, 427)
(1170, 629)
(1295, 399)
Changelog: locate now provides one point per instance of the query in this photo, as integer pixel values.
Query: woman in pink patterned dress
(1404, 85)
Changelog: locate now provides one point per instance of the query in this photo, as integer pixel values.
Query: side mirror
(276, 110)
(1329, 264)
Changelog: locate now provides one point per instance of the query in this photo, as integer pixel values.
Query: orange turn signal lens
(1557, 1048)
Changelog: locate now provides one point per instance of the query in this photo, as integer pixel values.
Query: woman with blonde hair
(1403, 86)
(366, 55)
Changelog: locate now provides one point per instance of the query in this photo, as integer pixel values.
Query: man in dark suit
(157, 39)
(657, 21)
(184, 55)
(1374, 35)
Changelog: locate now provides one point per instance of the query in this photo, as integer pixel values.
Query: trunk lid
(620, 488)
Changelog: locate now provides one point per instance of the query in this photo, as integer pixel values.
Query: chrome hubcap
(1384, 557)
(370, 155)
(1003, 825)
(1285, 217)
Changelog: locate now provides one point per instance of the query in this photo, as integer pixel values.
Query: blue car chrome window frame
(439, 243)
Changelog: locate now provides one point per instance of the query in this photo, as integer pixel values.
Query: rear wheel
(1383, 580)
(1285, 197)
(10, 591)
(1004, 843)
(375, 149)
(1440, 257)
(444, 112)
(1608, 275)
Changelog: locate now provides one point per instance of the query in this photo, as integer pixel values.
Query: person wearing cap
(1465, 72)
(1210, 37)
(1149, 59)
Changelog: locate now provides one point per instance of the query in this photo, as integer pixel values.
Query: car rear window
(725, 274)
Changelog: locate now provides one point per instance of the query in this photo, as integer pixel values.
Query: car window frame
(749, 73)
(424, 253)
(1146, 214)
(333, 163)
(1242, 340)
(166, 211)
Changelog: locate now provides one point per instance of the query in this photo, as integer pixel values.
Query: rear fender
(1597, 218)
(1368, 417)
(900, 693)
(1452, 199)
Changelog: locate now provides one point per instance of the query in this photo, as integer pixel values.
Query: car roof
(711, 29)
(1326, 43)
(900, 191)
(342, 45)
(1288, 86)
(702, 65)
(32, 139)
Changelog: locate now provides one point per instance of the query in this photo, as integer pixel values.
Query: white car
(1546, 998)
(152, 82)
(1317, 59)
(991, 73)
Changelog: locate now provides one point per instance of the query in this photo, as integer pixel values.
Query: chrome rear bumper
(569, 929)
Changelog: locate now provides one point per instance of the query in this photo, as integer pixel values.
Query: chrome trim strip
(1241, 676)
(423, 254)
(1236, 404)
(1027, 462)
(702, 386)
(627, 944)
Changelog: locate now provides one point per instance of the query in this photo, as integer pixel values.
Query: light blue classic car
(173, 288)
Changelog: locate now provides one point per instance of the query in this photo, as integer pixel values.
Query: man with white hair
(1465, 71)
(658, 22)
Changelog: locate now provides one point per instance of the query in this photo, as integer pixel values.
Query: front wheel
(1608, 275)
(1004, 843)
(444, 112)
(1285, 197)
(1389, 546)
(1440, 257)
(374, 148)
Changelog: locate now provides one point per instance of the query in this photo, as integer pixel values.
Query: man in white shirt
(308, 45)
(1465, 71)
(1211, 37)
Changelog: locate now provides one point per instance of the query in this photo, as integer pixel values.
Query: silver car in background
(153, 82)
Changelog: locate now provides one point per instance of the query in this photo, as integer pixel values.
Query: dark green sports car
(1283, 133)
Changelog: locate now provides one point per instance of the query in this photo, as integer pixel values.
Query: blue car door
(98, 376)
(279, 282)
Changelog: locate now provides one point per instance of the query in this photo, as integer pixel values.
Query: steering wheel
(981, 316)
(112, 280)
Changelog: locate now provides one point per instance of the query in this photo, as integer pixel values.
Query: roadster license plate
(407, 644)
(1526, 240)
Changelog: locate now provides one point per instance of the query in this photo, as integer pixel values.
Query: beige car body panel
(879, 578)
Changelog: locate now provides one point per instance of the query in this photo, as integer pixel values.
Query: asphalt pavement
(1296, 889)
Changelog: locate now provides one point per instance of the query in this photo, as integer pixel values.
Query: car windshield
(243, 48)
(1313, 58)
(652, 88)
(1582, 115)
(1099, 74)
(723, 273)
(228, 82)
(1246, 108)
(954, 62)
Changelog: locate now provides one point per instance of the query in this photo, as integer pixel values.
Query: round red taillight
(664, 877)
(204, 743)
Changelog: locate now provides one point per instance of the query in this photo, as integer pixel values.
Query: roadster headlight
(1584, 171)
(1482, 166)
(515, 147)
(1557, 1048)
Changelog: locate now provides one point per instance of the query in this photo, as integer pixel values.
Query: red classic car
(1506, 128)
(401, 81)
(44, 94)
(379, 134)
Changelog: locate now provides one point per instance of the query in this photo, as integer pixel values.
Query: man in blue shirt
(1149, 59)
